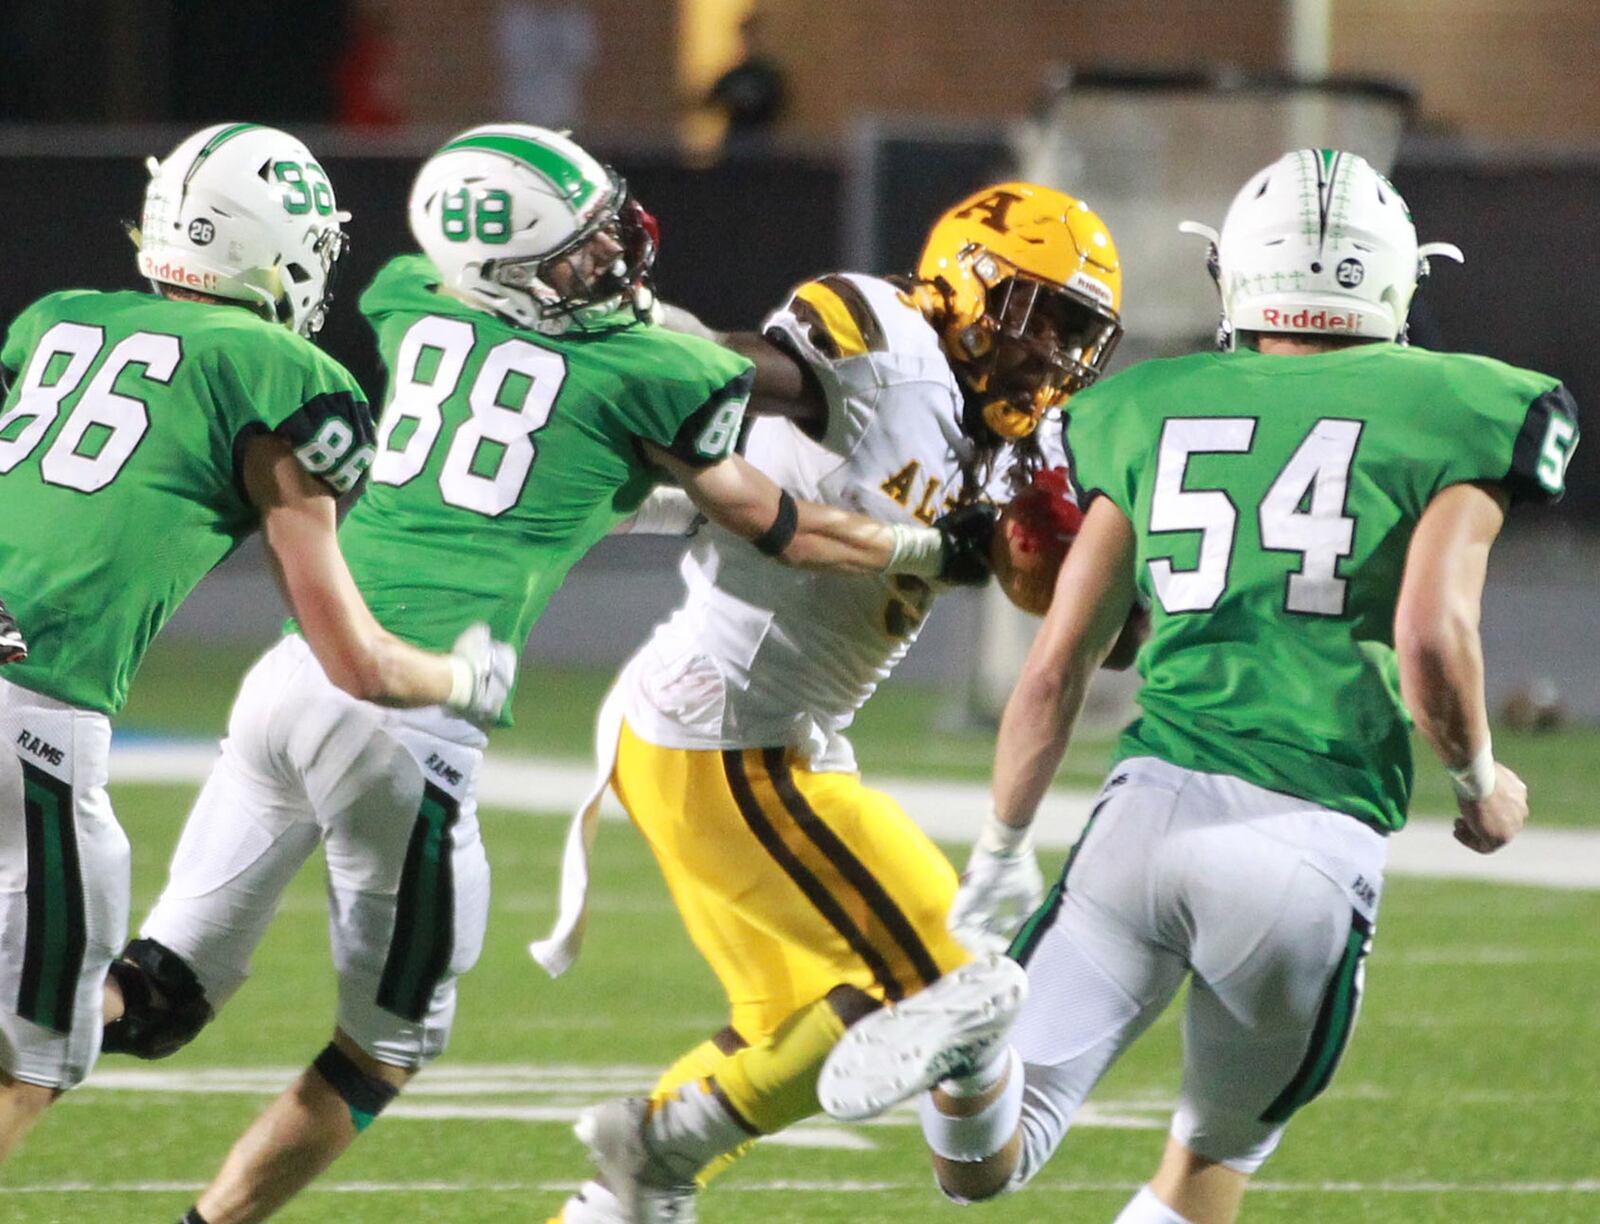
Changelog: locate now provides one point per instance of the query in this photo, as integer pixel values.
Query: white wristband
(917, 550)
(463, 679)
(1003, 840)
(1475, 782)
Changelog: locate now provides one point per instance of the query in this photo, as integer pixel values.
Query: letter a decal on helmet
(992, 210)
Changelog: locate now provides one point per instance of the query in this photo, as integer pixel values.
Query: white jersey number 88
(529, 376)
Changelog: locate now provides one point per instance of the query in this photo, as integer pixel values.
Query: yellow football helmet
(1028, 298)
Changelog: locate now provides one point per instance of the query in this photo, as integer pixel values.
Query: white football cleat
(645, 1190)
(945, 1030)
(591, 1203)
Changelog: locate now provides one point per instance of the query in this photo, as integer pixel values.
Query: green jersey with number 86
(121, 482)
(504, 455)
(1273, 499)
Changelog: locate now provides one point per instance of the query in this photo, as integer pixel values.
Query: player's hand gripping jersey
(121, 446)
(760, 655)
(504, 454)
(1274, 498)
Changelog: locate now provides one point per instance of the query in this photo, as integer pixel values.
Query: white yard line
(950, 810)
(554, 1094)
(842, 1186)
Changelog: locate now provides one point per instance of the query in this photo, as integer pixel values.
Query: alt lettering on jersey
(40, 748)
(902, 486)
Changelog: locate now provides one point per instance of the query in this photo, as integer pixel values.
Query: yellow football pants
(790, 882)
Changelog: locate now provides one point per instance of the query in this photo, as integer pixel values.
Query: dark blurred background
(781, 138)
(1502, 155)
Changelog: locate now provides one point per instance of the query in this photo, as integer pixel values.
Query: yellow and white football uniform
(734, 711)
(725, 735)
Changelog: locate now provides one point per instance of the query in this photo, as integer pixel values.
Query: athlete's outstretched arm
(740, 497)
(299, 527)
(1092, 602)
(1441, 658)
(783, 385)
(1088, 613)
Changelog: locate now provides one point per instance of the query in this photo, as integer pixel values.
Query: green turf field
(905, 729)
(1471, 1092)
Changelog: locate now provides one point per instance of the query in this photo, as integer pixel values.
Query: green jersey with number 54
(1273, 499)
(121, 484)
(505, 454)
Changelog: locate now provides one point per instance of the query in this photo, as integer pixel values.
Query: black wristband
(776, 538)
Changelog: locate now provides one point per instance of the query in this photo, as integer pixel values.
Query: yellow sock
(773, 1084)
(698, 1063)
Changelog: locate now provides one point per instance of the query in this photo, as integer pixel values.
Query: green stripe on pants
(1331, 1033)
(1042, 919)
(424, 920)
(54, 945)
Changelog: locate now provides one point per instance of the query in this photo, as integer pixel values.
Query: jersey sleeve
(1523, 431)
(831, 328)
(682, 393)
(1544, 447)
(20, 339)
(300, 394)
(12, 354)
(711, 431)
(1102, 450)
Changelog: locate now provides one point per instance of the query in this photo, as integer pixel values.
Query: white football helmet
(244, 212)
(497, 204)
(1317, 242)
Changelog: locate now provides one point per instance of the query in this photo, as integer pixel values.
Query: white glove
(1001, 886)
(483, 671)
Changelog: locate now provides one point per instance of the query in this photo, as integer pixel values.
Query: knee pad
(364, 1095)
(163, 1004)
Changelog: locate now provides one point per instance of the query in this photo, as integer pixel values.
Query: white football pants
(1263, 902)
(390, 796)
(64, 886)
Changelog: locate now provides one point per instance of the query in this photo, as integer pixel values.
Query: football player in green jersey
(532, 407)
(1309, 514)
(143, 437)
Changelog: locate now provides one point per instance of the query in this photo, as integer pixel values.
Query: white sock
(1146, 1208)
(984, 1076)
(984, 1133)
(690, 1129)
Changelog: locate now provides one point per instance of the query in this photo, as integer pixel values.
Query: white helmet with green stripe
(1318, 242)
(244, 212)
(499, 204)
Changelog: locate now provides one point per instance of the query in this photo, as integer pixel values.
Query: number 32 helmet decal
(244, 212)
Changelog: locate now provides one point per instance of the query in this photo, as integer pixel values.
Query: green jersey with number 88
(504, 454)
(121, 482)
(1273, 499)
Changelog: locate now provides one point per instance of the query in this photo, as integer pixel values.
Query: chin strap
(1007, 420)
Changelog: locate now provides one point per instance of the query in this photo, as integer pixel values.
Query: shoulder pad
(844, 315)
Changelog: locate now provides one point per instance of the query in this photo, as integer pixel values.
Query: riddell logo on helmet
(1310, 320)
(176, 274)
